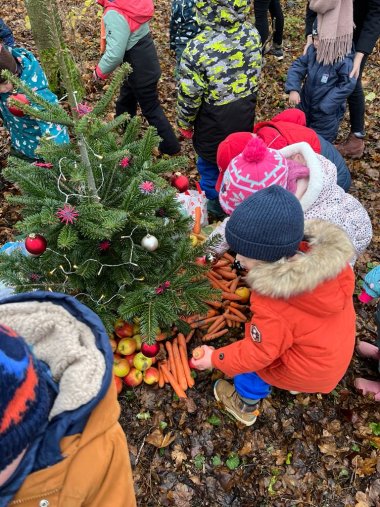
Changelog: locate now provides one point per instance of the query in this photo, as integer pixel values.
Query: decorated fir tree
(101, 222)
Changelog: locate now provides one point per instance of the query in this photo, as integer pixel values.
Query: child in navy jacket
(320, 90)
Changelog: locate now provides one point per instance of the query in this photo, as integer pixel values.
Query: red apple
(123, 329)
(150, 350)
(119, 384)
(134, 378)
(138, 340)
(19, 97)
(129, 358)
(150, 376)
(141, 362)
(126, 346)
(191, 364)
(113, 344)
(120, 366)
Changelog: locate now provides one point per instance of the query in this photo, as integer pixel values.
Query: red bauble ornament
(35, 244)
(180, 182)
(19, 97)
(150, 350)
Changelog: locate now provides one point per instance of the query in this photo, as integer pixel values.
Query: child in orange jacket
(60, 440)
(302, 333)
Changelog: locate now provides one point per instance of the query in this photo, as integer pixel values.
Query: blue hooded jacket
(6, 34)
(45, 450)
(324, 90)
(26, 131)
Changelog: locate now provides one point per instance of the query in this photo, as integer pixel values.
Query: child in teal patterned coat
(25, 131)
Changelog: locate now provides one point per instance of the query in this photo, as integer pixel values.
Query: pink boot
(368, 386)
(369, 350)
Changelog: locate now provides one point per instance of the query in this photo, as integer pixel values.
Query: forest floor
(305, 450)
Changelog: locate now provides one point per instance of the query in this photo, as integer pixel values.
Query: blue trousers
(329, 151)
(209, 174)
(250, 386)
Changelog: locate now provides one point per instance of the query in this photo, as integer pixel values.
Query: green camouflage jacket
(223, 62)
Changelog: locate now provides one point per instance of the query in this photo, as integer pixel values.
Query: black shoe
(277, 52)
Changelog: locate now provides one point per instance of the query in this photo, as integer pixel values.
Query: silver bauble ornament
(150, 243)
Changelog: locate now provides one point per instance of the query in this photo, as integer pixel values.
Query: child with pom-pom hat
(309, 176)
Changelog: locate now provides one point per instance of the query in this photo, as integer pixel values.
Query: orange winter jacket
(302, 333)
(96, 471)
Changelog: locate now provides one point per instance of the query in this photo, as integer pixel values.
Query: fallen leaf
(178, 455)
(158, 439)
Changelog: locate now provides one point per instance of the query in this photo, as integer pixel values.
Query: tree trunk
(42, 34)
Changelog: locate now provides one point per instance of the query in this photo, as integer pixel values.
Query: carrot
(229, 322)
(236, 305)
(227, 275)
(213, 336)
(198, 353)
(234, 284)
(214, 274)
(216, 323)
(190, 335)
(179, 366)
(176, 387)
(220, 264)
(197, 220)
(221, 281)
(198, 317)
(161, 381)
(166, 380)
(201, 323)
(161, 337)
(185, 359)
(214, 283)
(230, 296)
(234, 318)
(220, 326)
(102, 37)
(171, 363)
(228, 257)
(215, 304)
(237, 312)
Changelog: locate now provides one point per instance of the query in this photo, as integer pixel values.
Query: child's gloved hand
(187, 134)
(294, 98)
(204, 363)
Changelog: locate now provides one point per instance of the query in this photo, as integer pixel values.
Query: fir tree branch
(115, 84)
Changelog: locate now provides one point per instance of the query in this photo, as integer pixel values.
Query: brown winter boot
(226, 394)
(352, 147)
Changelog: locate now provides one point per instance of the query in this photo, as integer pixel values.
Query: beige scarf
(335, 29)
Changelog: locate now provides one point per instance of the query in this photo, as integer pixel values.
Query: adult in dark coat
(366, 33)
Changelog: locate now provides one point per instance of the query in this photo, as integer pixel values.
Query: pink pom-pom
(255, 150)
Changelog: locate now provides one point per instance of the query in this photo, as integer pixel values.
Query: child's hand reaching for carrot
(204, 363)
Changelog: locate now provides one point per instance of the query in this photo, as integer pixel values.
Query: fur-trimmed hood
(330, 252)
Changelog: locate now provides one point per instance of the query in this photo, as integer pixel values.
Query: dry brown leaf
(158, 439)
(328, 448)
(182, 495)
(178, 455)
(366, 466)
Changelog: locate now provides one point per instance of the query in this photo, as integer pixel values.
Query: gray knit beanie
(267, 226)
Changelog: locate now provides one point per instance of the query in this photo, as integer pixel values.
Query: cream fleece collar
(67, 345)
(331, 250)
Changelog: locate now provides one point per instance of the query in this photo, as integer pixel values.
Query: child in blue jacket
(6, 34)
(25, 131)
(319, 90)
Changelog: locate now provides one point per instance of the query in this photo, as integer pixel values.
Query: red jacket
(302, 333)
(286, 128)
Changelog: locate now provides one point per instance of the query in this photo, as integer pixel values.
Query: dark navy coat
(324, 90)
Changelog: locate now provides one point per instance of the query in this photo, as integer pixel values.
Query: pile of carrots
(229, 312)
(175, 370)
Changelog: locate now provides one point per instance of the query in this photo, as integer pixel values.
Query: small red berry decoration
(19, 97)
(147, 187)
(124, 162)
(180, 182)
(35, 244)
